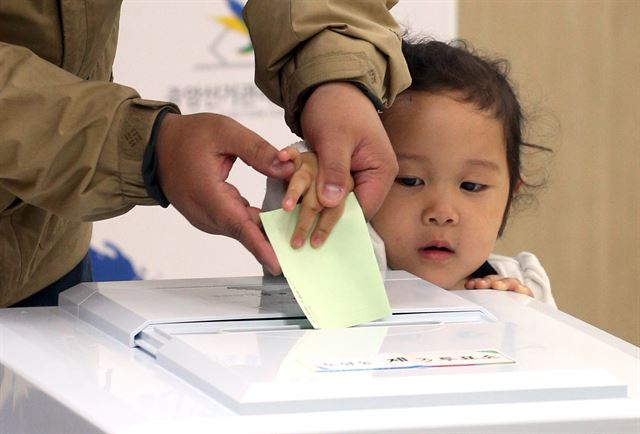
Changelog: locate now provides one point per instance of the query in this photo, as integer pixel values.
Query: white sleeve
(275, 187)
(527, 269)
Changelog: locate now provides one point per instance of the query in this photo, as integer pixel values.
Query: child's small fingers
(310, 160)
(491, 281)
(470, 284)
(299, 184)
(525, 290)
(518, 287)
(511, 284)
(326, 222)
(290, 154)
(507, 284)
(499, 285)
(303, 227)
(309, 210)
(477, 283)
(492, 278)
(484, 283)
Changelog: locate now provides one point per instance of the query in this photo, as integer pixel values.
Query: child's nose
(440, 212)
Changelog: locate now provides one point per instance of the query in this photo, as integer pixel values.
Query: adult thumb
(334, 165)
(262, 156)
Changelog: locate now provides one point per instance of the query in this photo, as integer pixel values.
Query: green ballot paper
(338, 284)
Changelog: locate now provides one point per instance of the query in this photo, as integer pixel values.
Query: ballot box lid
(124, 309)
(245, 342)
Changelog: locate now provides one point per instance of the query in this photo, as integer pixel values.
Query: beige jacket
(71, 142)
(352, 40)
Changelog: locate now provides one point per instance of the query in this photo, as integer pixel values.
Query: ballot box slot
(154, 336)
(301, 323)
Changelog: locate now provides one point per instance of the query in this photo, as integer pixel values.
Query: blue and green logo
(235, 23)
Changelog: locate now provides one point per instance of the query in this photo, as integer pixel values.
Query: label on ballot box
(438, 359)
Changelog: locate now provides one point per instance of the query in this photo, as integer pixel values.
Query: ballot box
(237, 355)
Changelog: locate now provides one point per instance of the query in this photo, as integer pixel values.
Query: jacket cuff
(355, 68)
(135, 136)
(150, 163)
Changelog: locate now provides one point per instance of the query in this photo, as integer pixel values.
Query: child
(457, 134)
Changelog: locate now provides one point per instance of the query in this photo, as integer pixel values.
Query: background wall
(577, 66)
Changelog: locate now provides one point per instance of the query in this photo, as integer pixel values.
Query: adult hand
(341, 124)
(195, 155)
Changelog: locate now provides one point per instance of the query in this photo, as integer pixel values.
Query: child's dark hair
(440, 67)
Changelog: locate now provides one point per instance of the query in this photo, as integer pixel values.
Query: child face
(441, 218)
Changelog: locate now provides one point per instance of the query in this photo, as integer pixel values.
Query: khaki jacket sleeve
(299, 44)
(70, 146)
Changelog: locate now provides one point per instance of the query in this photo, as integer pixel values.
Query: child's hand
(494, 281)
(303, 184)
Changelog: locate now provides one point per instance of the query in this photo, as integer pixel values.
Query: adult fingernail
(288, 204)
(332, 192)
(296, 243)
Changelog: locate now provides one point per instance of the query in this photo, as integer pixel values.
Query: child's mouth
(436, 252)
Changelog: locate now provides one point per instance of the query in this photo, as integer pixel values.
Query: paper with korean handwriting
(338, 284)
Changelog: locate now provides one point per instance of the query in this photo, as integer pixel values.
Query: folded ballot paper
(337, 284)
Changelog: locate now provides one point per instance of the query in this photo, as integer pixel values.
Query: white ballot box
(237, 355)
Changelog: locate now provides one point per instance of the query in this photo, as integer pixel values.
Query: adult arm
(302, 49)
(70, 146)
(300, 44)
(76, 148)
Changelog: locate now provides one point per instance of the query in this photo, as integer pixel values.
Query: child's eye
(473, 187)
(409, 181)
